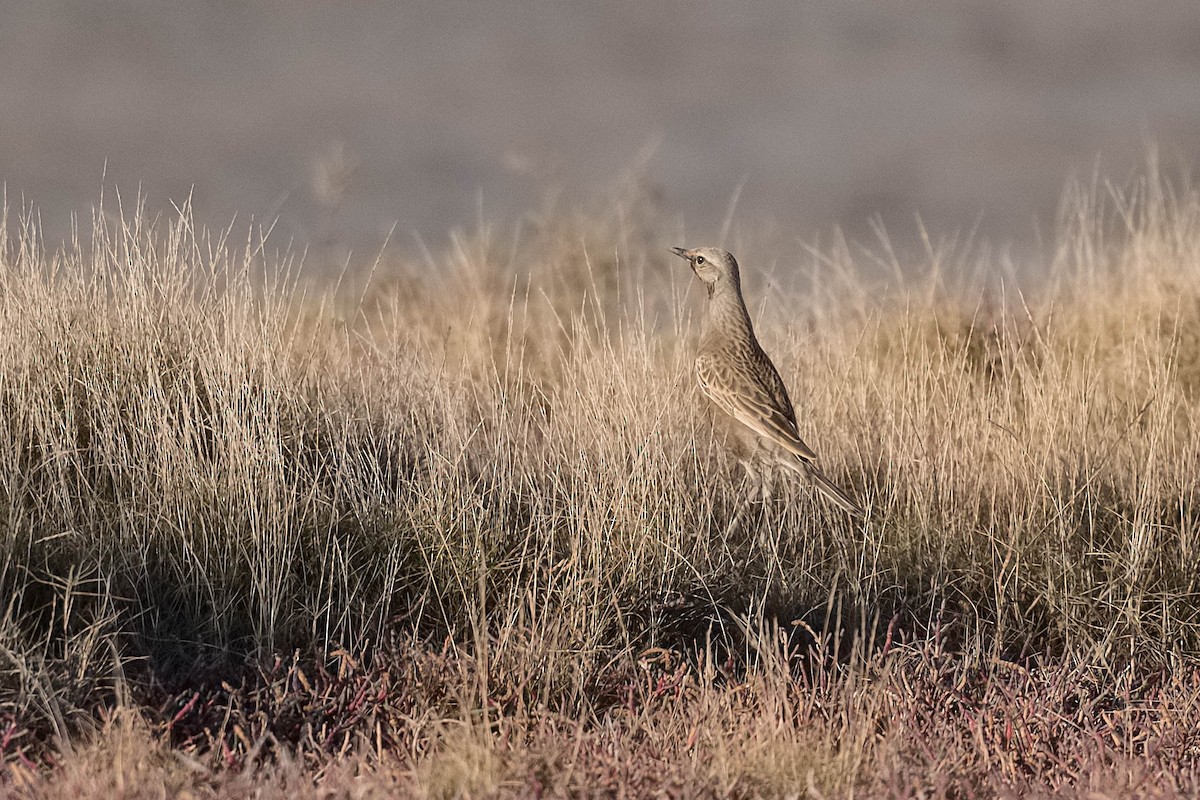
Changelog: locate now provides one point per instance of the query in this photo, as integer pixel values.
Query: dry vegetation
(460, 531)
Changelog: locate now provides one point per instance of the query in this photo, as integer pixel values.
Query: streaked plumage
(738, 377)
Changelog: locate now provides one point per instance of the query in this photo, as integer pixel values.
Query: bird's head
(712, 265)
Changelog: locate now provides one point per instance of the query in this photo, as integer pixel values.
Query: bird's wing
(751, 391)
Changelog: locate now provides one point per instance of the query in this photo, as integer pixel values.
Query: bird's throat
(727, 312)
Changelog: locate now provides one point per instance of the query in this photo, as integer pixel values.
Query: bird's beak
(679, 251)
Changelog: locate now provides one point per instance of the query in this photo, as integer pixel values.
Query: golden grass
(496, 464)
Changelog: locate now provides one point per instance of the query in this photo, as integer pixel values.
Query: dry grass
(461, 532)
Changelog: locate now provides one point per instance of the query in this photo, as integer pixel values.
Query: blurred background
(340, 120)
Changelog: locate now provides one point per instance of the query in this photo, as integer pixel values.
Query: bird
(738, 377)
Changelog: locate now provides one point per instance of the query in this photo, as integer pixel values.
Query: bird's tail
(826, 486)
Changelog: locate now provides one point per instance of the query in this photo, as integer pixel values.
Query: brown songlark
(739, 378)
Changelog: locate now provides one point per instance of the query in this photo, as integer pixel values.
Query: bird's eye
(699, 259)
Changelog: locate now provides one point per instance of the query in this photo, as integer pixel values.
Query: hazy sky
(825, 113)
